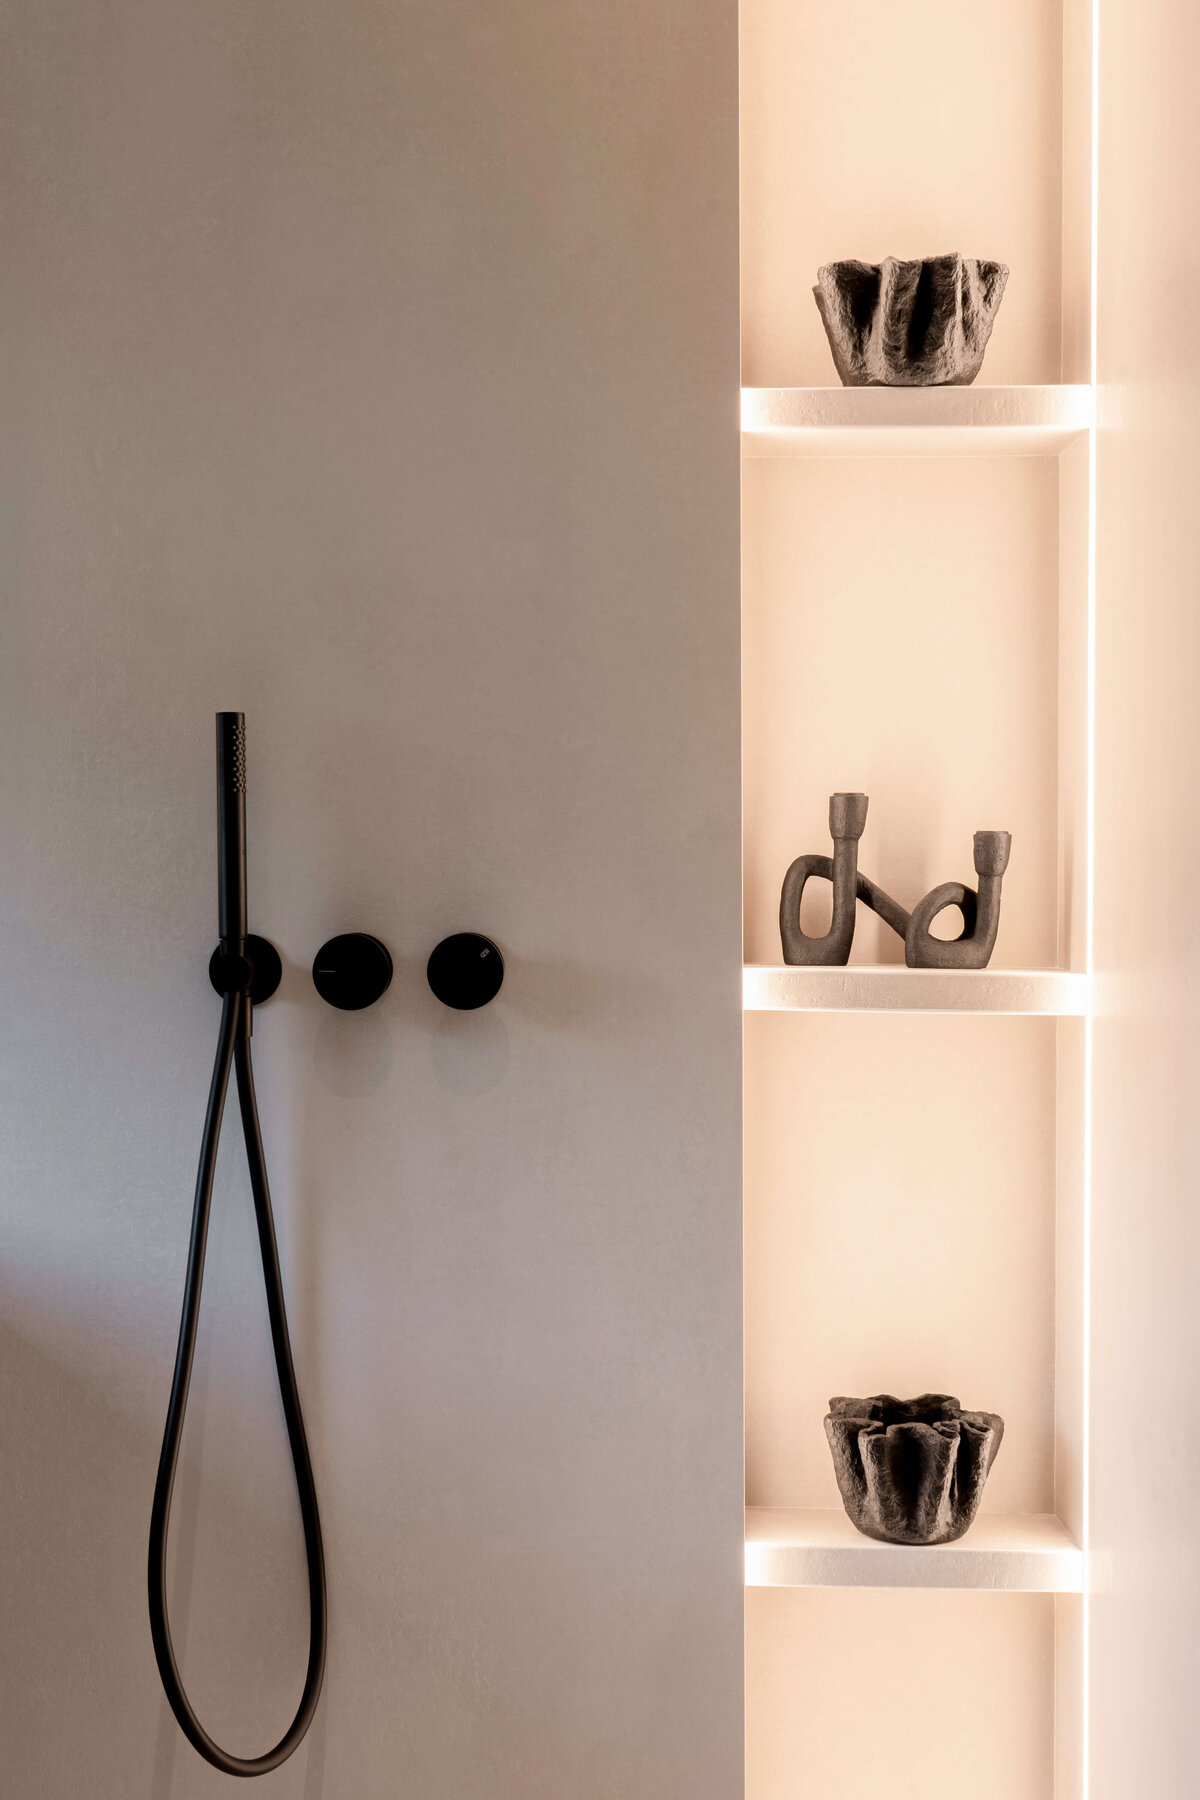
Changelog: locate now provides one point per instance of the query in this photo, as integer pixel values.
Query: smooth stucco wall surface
(373, 368)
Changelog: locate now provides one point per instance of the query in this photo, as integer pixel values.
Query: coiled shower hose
(234, 973)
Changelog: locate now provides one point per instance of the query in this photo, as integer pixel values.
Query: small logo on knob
(465, 971)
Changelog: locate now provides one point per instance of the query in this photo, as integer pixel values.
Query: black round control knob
(352, 971)
(228, 972)
(465, 971)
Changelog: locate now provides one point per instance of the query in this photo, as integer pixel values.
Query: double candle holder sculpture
(980, 909)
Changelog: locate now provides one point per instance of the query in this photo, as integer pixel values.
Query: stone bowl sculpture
(911, 1471)
(909, 324)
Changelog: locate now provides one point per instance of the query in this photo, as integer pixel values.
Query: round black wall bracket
(228, 973)
(352, 971)
(465, 971)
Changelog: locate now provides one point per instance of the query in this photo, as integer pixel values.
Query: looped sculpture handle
(847, 821)
(973, 947)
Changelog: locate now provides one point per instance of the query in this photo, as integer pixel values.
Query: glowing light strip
(1089, 912)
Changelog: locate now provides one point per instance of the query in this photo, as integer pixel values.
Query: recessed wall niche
(916, 628)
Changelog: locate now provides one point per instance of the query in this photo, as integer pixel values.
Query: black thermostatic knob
(465, 971)
(352, 971)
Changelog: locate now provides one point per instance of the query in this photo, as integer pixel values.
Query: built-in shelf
(889, 987)
(936, 421)
(1029, 1553)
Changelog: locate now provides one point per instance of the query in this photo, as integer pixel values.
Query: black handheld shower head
(231, 830)
(241, 962)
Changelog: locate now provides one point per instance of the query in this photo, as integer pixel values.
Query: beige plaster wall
(374, 368)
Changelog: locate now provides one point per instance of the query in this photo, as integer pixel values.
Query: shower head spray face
(241, 963)
(231, 830)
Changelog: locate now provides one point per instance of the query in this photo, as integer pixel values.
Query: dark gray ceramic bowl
(911, 1471)
(909, 324)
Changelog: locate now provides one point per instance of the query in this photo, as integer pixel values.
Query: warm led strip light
(1061, 409)
(890, 987)
(1024, 1553)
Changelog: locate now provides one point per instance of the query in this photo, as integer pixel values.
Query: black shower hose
(233, 1050)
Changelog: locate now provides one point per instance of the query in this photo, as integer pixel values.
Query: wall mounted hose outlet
(227, 974)
(243, 969)
(465, 971)
(352, 971)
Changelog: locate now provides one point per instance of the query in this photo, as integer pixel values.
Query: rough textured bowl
(909, 324)
(911, 1471)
